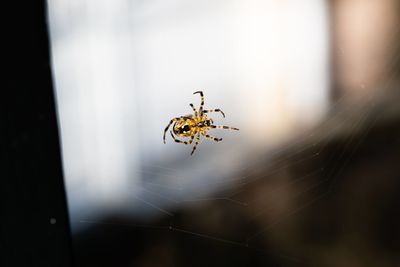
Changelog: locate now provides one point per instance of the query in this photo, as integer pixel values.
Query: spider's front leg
(201, 103)
(180, 141)
(194, 110)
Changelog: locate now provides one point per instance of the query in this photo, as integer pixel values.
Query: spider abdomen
(185, 127)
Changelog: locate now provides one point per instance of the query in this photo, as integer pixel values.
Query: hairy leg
(214, 110)
(216, 139)
(180, 141)
(201, 102)
(194, 110)
(197, 142)
(223, 127)
(169, 124)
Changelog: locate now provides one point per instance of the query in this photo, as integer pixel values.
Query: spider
(195, 125)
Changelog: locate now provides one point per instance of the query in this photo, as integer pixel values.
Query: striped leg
(182, 142)
(223, 127)
(212, 137)
(215, 110)
(202, 101)
(194, 110)
(197, 142)
(169, 124)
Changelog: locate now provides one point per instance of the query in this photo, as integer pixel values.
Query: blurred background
(310, 178)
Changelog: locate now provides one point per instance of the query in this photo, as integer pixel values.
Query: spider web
(365, 120)
(238, 184)
(227, 190)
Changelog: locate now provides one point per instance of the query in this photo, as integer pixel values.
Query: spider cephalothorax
(195, 125)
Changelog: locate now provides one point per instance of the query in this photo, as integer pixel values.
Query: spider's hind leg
(180, 141)
(197, 142)
(223, 127)
(214, 110)
(216, 139)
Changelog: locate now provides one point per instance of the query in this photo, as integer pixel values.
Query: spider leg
(202, 101)
(194, 110)
(197, 142)
(216, 139)
(223, 127)
(214, 110)
(169, 124)
(180, 141)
